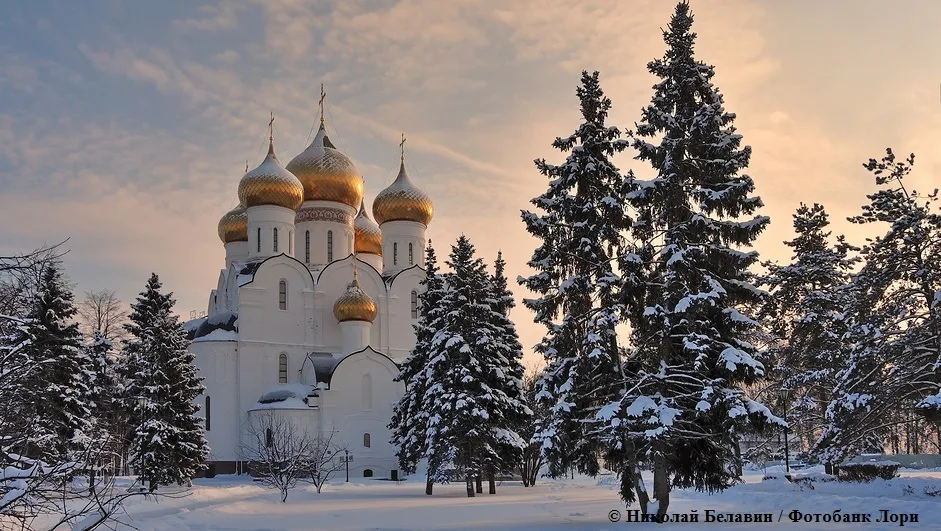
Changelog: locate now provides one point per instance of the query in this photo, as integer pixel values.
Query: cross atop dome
(271, 135)
(323, 96)
(402, 148)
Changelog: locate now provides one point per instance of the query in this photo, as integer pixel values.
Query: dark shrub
(866, 472)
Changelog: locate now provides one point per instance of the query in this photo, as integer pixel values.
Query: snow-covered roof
(223, 321)
(286, 396)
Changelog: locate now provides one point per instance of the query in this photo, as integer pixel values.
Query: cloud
(223, 16)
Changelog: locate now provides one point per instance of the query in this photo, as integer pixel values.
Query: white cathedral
(314, 307)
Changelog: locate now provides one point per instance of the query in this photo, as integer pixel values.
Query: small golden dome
(271, 184)
(367, 236)
(233, 227)
(354, 305)
(327, 174)
(403, 201)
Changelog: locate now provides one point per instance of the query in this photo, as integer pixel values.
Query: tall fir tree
(168, 444)
(60, 400)
(684, 409)
(581, 232)
(806, 316)
(895, 358)
(410, 416)
(504, 378)
(469, 422)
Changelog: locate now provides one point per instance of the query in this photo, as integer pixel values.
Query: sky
(126, 126)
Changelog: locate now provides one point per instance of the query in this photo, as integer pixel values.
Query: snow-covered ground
(236, 503)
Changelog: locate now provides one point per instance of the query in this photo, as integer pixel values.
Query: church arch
(367, 473)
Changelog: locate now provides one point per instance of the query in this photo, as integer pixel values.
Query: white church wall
(396, 238)
(360, 400)
(400, 317)
(328, 222)
(262, 221)
(262, 317)
(216, 362)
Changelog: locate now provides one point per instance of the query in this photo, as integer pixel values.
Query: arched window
(367, 392)
(207, 413)
(367, 473)
(411, 255)
(259, 239)
(366, 441)
(307, 247)
(275, 239)
(283, 295)
(395, 253)
(414, 304)
(290, 242)
(329, 246)
(269, 437)
(283, 368)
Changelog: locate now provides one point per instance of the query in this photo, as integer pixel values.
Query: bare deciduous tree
(102, 311)
(282, 453)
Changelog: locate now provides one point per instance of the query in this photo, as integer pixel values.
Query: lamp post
(346, 459)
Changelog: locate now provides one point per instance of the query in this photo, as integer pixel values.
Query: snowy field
(233, 503)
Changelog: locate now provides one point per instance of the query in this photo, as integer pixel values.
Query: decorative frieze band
(324, 214)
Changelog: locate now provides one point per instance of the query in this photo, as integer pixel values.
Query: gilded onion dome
(403, 201)
(233, 227)
(327, 174)
(354, 305)
(271, 184)
(367, 236)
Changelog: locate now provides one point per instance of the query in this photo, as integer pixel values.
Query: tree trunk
(661, 486)
(524, 473)
(493, 483)
(429, 484)
(642, 497)
(284, 495)
(470, 486)
(479, 484)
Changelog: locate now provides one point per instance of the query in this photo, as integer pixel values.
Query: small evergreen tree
(60, 400)
(894, 367)
(580, 231)
(168, 445)
(410, 416)
(683, 407)
(806, 314)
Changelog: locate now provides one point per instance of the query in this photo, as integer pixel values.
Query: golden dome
(233, 227)
(354, 305)
(403, 201)
(367, 236)
(271, 184)
(327, 174)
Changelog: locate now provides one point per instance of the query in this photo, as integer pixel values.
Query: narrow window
(411, 255)
(290, 242)
(414, 304)
(207, 413)
(367, 392)
(395, 253)
(275, 239)
(307, 247)
(283, 295)
(329, 246)
(367, 473)
(259, 239)
(366, 440)
(269, 438)
(283, 368)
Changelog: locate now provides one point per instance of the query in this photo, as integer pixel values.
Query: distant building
(314, 307)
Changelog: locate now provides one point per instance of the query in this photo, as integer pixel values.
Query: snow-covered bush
(866, 472)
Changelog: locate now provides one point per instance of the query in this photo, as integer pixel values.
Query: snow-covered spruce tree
(103, 392)
(806, 315)
(504, 379)
(895, 359)
(168, 444)
(60, 401)
(410, 416)
(580, 229)
(467, 421)
(684, 407)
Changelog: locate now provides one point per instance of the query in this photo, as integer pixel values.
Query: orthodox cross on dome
(271, 135)
(323, 96)
(402, 147)
(246, 166)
